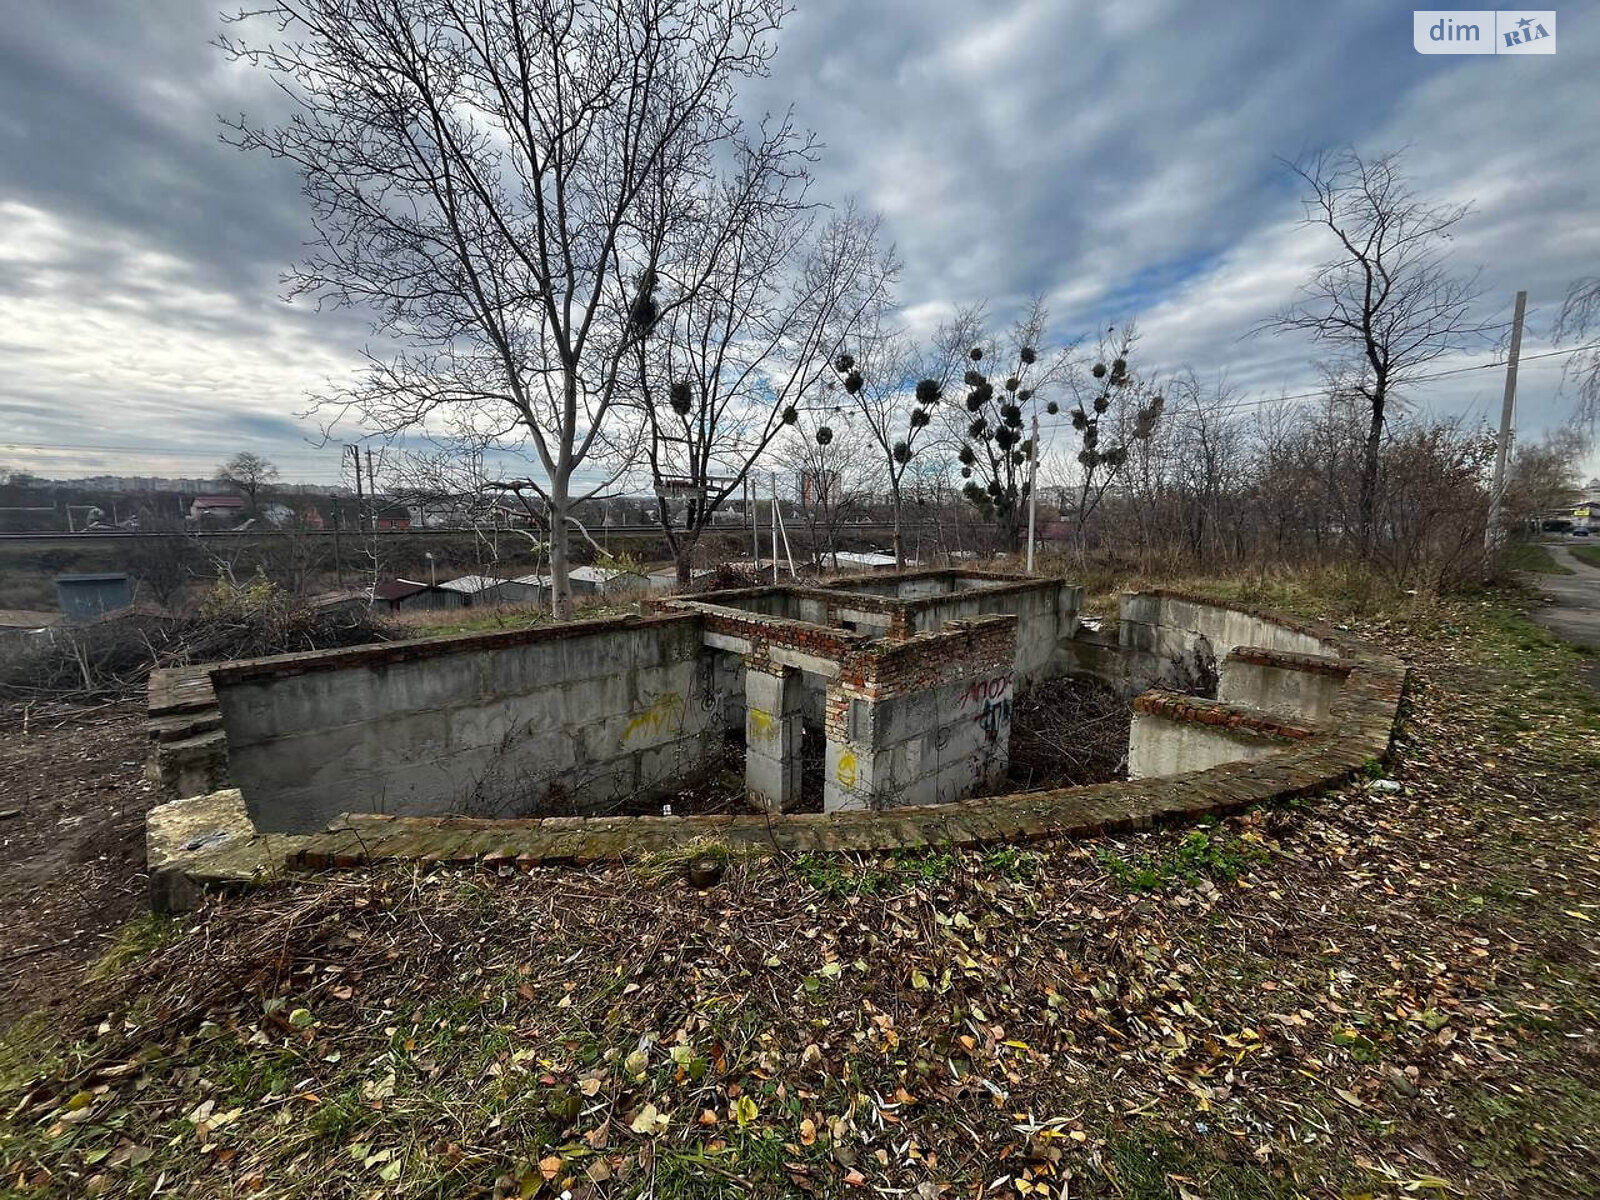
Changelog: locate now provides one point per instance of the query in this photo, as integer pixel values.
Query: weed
(1012, 863)
(1202, 853)
(673, 861)
(133, 941)
(340, 1115)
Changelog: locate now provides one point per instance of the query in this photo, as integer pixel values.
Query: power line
(1320, 393)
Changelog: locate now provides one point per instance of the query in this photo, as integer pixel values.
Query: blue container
(85, 597)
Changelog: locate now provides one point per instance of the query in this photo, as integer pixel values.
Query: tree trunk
(560, 564)
(683, 558)
(899, 551)
(1369, 475)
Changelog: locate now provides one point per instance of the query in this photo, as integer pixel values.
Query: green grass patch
(1588, 555)
(27, 1048)
(1201, 854)
(1536, 559)
(1152, 1166)
(139, 937)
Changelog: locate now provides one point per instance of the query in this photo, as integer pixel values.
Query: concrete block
(1139, 608)
(727, 642)
(207, 844)
(521, 670)
(799, 660)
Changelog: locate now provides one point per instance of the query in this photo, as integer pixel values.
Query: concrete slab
(206, 843)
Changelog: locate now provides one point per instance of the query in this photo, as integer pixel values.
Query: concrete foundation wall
(1158, 745)
(1163, 641)
(1169, 626)
(498, 726)
(1046, 612)
(933, 747)
(1296, 690)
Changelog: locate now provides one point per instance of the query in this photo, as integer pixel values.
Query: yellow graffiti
(761, 724)
(666, 707)
(846, 770)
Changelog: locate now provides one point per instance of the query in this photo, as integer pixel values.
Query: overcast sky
(1117, 156)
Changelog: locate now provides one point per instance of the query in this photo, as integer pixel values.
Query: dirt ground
(73, 798)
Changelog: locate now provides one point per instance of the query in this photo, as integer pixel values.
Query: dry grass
(492, 618)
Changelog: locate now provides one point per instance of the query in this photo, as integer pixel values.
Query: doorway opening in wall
(813, 765)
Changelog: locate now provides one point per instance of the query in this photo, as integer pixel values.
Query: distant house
(605, 582)
(405, 595)
(1587, 511)
(526, 589)
(667, 581)
(479, 589)
(216, 508)
(393, 516)
(871, 560)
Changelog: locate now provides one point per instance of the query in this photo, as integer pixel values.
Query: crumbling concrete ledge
(1357, 733)
(207, 844)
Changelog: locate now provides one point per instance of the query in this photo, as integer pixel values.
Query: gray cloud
(1119, 158)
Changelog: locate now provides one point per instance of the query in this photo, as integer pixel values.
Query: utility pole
(1491, 535)
(372, 489)
(783, 528)
(338, 561)
(755, 528)
(361, 521)
(774, 527)
(1033, 485)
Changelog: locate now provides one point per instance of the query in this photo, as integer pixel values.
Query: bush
(111, 658)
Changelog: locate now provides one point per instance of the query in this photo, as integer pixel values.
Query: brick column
(773, 729)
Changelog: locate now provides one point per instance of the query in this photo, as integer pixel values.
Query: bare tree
(164, 558)
(767, 312)
(1386, 301)
(484, 176)
(830, 472)
(894, 389)
(250, 473)
(1115, 409)
(1576, 323)
(1543, 480)
(996, 447)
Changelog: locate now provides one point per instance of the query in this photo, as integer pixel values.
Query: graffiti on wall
(988, 702)
(760, 725)
(846, 770)
(665, 710)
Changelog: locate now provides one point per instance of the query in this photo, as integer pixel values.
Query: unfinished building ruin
(910, 684)
(887, 700)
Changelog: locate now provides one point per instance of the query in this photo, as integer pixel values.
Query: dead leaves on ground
(1325, 1007)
